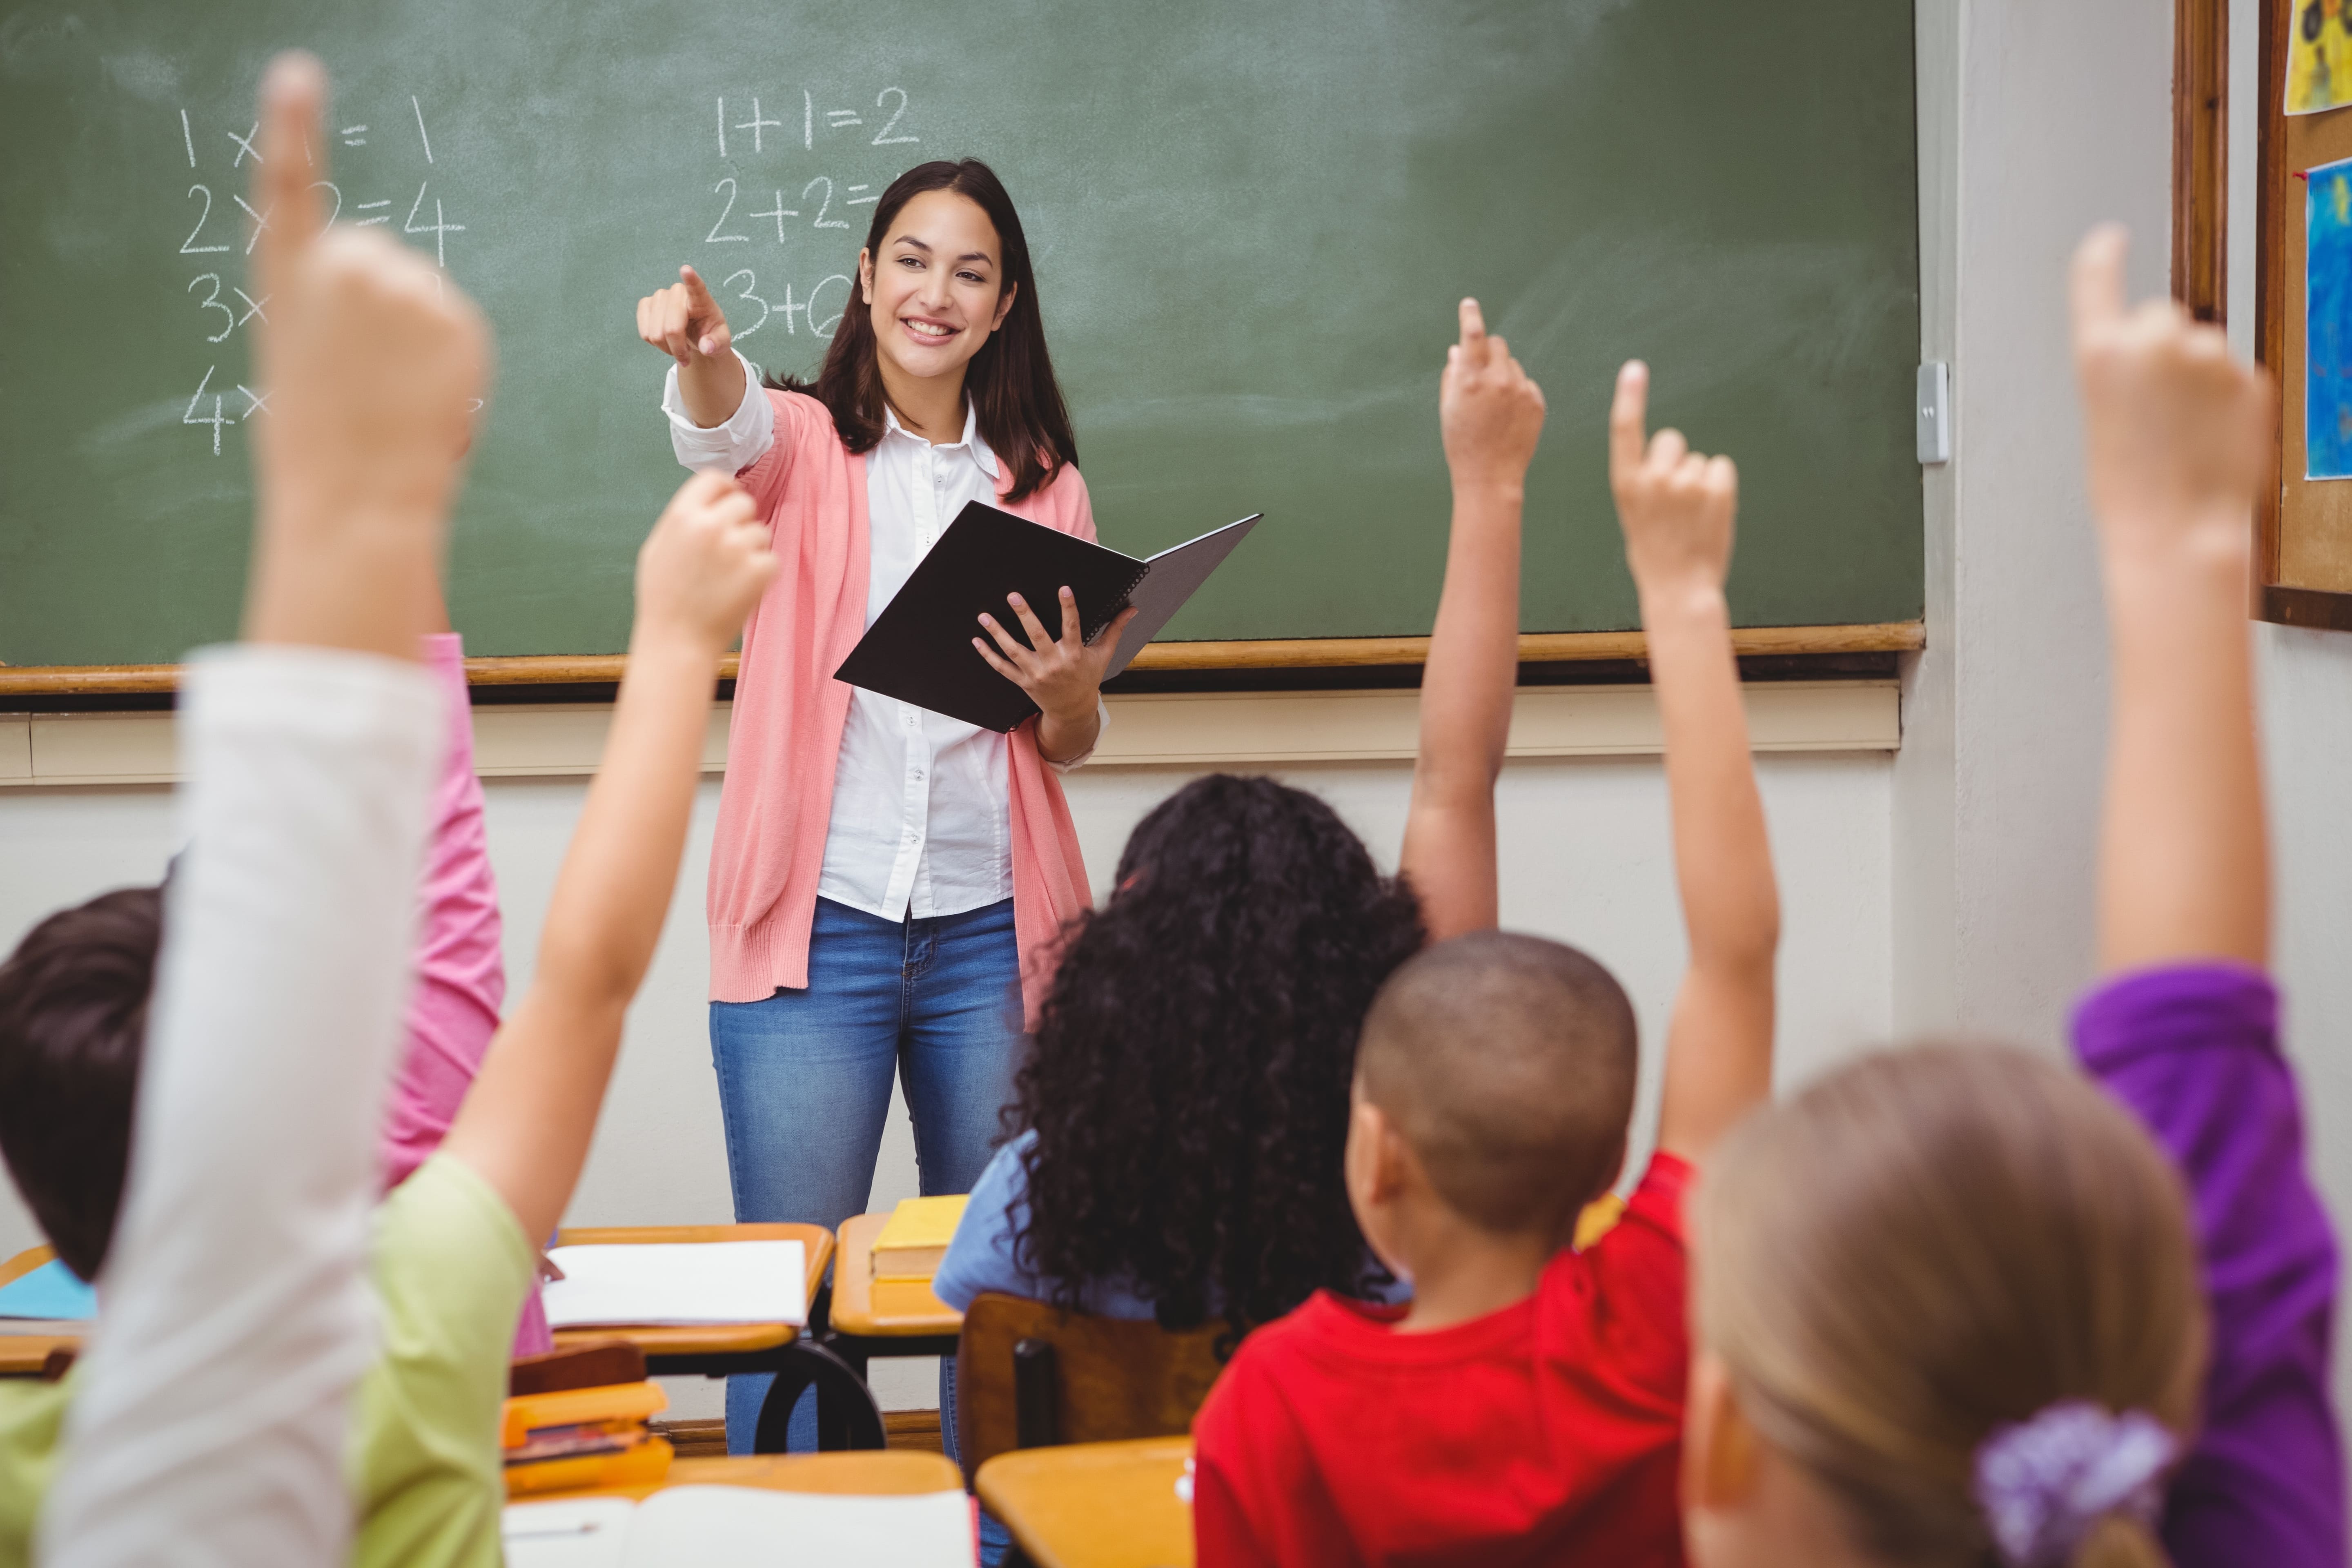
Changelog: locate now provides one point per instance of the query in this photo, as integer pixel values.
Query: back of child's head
(1189, 1079)
(1955, 1286)
(1508, 1063)
(73, 1026)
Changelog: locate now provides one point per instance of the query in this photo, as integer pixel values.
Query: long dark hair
(1189, 1080)
(1016, 401)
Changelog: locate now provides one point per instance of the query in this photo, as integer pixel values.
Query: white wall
(2307, 684)
(2035, 121)
(1587, 861)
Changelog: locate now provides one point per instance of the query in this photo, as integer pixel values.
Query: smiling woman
(880, 873)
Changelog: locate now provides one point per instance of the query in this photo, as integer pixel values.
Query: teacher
(880, 872)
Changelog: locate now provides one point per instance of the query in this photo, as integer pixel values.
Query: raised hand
(2176, 431)
(1675, 505)
(1064, 679)
(370, 363)
(683, 320)
(1488, 411)
(704, 566)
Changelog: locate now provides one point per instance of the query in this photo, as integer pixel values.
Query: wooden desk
(716, 1339)
(852, 1292)
(24, 1355)
(847, 1417)
(1094, 1505)
(879, 1473)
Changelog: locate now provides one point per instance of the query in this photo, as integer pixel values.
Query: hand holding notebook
(919, 648)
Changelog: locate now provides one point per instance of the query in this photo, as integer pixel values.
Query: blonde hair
(1931, 1245)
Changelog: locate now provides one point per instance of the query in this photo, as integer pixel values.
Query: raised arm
(211, 1420)
(526, 1127)
(1677, 509)
(1491, 416)
(2185, 1030)
(2176, 431)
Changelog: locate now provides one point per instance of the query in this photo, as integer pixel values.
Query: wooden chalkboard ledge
(1315, 653)
(1245, 730)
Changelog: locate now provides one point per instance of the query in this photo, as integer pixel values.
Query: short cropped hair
(1508, 1063)
(73, 1028)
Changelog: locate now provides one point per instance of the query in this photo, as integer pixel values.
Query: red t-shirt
(1551, 1428)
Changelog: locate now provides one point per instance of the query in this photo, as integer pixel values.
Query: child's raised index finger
(2098, 280)
(1629, 413)
(1474, 333)
(292, 163)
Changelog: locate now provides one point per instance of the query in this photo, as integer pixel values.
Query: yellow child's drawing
(2318, 54)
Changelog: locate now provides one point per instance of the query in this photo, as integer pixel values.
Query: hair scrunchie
(2044, 1483)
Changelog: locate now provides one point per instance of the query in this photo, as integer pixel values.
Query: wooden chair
(1029, 1375)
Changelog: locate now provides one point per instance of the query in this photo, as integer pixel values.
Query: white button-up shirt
(921, 819)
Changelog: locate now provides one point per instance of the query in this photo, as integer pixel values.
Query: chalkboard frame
(53, 682)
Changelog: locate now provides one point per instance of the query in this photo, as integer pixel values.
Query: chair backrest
(1029, 1375)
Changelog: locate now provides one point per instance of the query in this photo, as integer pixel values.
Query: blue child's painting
(2327, 323)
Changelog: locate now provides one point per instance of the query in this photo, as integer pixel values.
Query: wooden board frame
(1312, 653)
(2292, 585)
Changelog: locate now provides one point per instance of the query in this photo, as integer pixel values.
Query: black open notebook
(920, 650)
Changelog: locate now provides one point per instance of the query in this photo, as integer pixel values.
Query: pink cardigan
(776, 802)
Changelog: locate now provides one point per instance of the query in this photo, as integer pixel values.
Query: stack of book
(576, 1420)
(906, 1254)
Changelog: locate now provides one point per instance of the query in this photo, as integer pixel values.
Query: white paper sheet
(590, 1533)
(743, 1526)
(679, 1283)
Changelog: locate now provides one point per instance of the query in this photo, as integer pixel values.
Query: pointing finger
(1628, 415)
(291, 162)
(1473, 333)
(2099, 278)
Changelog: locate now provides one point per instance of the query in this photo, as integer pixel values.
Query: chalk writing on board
(215, 420)
(762, 171)
(220, 304)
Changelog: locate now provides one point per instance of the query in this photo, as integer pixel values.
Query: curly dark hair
(1189, 1080)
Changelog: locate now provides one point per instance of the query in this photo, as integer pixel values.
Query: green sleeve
(451, 1268)
(32, 1418)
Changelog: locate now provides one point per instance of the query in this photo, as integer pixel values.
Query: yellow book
(906, 1299)
(916, 1236)
(644, 1465)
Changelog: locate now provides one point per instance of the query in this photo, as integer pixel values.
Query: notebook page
(679, 1283)
(739, 1527)
(590, 1533)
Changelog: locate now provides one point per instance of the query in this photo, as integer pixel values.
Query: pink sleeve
(461, 979)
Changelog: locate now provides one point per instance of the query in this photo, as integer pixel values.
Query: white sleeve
(1102, 728)
(735, 446)
(210, 1424)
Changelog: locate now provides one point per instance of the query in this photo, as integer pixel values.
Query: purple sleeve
(2193, 1050)
(460, 972)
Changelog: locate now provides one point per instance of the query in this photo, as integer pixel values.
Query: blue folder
(50, 1291)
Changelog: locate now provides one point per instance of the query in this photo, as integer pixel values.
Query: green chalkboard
(1251, 219)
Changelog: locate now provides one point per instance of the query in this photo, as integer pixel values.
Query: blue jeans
(804, 1082)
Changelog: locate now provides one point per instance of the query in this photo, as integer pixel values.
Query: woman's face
(936, 289)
